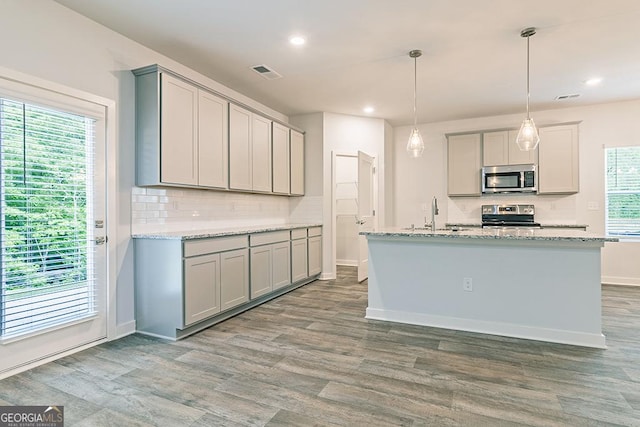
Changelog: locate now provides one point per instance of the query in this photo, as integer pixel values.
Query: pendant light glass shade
(528, 137)
(415, 146)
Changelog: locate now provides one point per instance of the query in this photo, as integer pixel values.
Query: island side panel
(528, 289)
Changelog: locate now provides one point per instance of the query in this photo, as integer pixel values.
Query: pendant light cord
(415, 90)
(528, 91)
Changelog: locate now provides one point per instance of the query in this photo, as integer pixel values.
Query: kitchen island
(540, 284)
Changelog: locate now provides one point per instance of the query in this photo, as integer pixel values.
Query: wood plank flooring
(309, 358)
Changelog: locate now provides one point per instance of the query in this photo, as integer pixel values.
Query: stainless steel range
(511, 216)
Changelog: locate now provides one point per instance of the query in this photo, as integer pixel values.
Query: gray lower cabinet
(201, 287)
(234, 278)
(299, 257)
(270, 262)
(182, 287)
(314, 250)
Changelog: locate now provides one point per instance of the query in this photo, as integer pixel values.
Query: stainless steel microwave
(510, 179)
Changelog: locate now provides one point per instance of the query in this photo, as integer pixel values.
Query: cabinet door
(558, 160)
(201, 288)
(464, 164)
(281, 161)
(298, 260)
(297, 163)
(213, 143)
(495, 148)
(516, 155)
(315, 255)
(281, 254)
(234, 278)
(261, 153)
(178, 130)
(261, 270)
(239, 148)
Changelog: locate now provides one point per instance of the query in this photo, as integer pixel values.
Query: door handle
(360, 221)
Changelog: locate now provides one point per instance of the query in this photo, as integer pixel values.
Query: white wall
(604, 125)
(49, 41)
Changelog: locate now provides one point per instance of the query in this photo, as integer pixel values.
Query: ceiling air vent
(266, 72)
(563, 97)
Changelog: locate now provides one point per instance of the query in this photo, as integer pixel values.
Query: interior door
(53, 242)
(366, 210)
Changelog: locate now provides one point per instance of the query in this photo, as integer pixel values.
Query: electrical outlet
(467, 284)
(593, 206)
(425, 207)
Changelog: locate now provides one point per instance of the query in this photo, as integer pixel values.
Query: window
(46, 196)
(623, 191)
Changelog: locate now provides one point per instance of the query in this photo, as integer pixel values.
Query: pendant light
(415, 146)
(528, 137)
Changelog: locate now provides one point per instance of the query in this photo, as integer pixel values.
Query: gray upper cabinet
(240, 158)
(213, 146)
(281, 160)
(558, 171)
(189, 136)
(181, 133)
(249, 151)
(261, 154)
(297, 163)
(464, 162)
(500, 148)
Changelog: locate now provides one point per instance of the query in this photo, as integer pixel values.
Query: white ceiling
(473, 62)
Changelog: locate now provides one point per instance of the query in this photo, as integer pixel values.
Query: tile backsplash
(559, 209)
(176, 209)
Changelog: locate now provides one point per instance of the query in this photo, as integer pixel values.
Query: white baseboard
(124, 329)
(48, 359)
(622, 281)
(347, 262)
(492, 328)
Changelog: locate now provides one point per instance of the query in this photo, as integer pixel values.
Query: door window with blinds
(46, 254)
(623, 192)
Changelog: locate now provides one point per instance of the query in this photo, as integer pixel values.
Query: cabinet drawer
(268, 238)
(299, 233)
(218, 244)
(315, 231)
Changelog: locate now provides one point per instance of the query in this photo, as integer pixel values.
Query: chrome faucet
(434, 212)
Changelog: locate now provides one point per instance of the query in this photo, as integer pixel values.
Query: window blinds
(46, 252)
(623, 191)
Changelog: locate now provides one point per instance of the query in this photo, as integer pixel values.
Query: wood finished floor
(309, 358)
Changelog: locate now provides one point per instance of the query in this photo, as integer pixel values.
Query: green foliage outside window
(44, 186)
(623, 191)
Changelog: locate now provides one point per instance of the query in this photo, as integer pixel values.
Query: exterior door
(53, 222)
(366, 210)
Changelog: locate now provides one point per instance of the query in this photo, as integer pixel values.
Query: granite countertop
(477, 224)
(219, 232)
(493, 233)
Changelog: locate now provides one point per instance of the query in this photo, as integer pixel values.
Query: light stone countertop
(493, 233)
(542, 225)
(219, 232)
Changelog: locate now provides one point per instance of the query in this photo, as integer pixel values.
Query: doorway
(53, 254)
(354, 207)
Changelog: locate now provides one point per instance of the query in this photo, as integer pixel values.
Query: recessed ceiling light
(593, 81)
(297, 40)
(368, 110)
